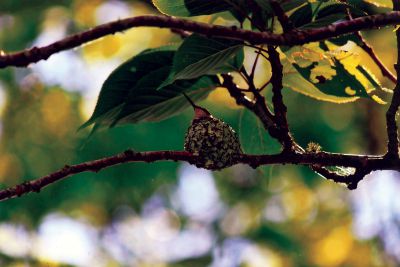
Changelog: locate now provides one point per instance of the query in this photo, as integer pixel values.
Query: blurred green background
(172, 214)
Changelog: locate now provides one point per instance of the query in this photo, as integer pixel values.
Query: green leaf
(146, 103)
(295, 81)
(336, 74)
(265, 6)
(289, 5)
(253, 137)
(198, 56)
(188, 8)
(301, 16)
(342, 84)
(130, 93)
(342, 40)
(118, 85)
(325, 13)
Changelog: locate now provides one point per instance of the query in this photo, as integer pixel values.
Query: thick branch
(259, 108)
(298, 37)
(393, 139)
(277, 98)
(94, 166)
(369, 163)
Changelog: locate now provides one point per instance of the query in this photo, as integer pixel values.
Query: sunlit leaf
(334, 80)
(333, 71)
(293, 80)
(381, 3)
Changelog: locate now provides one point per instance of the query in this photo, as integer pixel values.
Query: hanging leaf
(146, 103)
(198, 56)
(117, 86)
(188, 8)
(130, 93)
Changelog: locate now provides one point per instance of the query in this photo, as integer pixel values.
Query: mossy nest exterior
(214, 141)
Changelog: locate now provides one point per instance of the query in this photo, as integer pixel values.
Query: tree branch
(393, 139)
(94, 166)
(277, 99)
(298, 37)
(282, 134)
(259, 108)
(368, 163)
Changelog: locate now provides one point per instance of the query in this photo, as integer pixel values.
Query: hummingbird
(214, 141)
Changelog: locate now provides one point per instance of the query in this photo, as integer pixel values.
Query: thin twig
(298, 37)
(370, 51)
(253, 68)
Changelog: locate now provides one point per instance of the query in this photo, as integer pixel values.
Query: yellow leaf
(381, 3)
(322, 69)
(296, 82)
(305, 55)
(350, 91)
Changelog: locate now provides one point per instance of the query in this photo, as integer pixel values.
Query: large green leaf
(198, 56)
(118, 85)
(295, 81)
(130, 93)
(319, 14)
(146, 103)
(335, 72)
(342, 83)
(187, 8)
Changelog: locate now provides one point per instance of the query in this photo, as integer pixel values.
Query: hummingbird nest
(214, 141)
